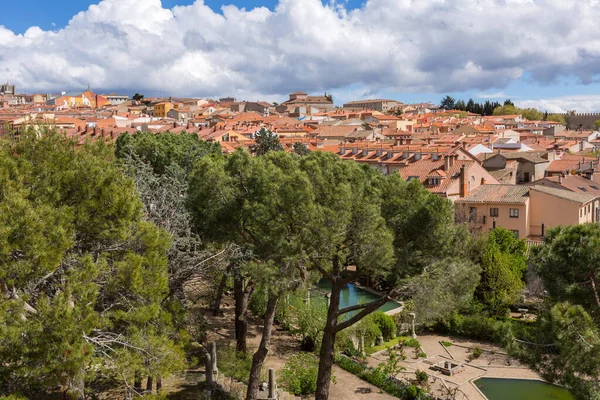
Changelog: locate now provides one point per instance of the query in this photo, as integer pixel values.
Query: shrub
(476, 352)
(422, 377)
(234, 364)
(446, 344)
(299, 375)
(413, 343)
(386, 325)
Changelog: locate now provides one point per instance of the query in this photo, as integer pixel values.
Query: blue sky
(386, 48)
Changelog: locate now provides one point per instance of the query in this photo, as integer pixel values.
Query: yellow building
(161, 109)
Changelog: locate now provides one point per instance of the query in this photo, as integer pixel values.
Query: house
(452, 176)
(527, 211)
(79, 99)
(298, 99)
(161, 109)
(116, 99)
(380, 105)
(530, 166)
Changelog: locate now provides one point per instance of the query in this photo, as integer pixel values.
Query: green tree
(301, 149)
(260, 203)
(448, 103)
(569, 264)
(557, 118)
(264, 142)
(509, 103)
(503, 265)
(138, 97)
(597, 124)
(82, 272)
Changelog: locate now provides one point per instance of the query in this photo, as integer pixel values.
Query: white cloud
(387, 45)
(495, 95)
(581, 104)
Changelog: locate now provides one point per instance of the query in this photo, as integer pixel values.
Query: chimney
(483, 181)
(464, 188)
(560, 179)
(448, 162)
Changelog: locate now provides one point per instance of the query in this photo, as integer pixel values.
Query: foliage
(503, 265)
(422, 377)
(392, 365)
(556, 118)
(477, 327)
(234, 364)
(448, 103)
(443, 287)
(470, 106)
(386, 325)
(597, 124)
(300, 149)
(445, 343)
(309, 318)
(412, 342)
(530, 114)
(138, 97)
(397, 341)
(476, 352)
(569, 263)
(83, 273)
(377, 377)
(299, 374)
(264, 142)
(164, 150)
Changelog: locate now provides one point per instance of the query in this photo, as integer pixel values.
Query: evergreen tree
(301, 149)
(83, 274)
(265, 141)
(448, 103)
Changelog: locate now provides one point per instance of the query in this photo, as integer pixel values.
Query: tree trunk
(158, 384)
(77, 389)
(328, 344)
(149, 383)
(242, 297)
(220, 290)
(137, 382)
(258, 358)
(593, 280)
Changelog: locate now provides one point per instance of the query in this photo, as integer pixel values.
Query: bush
(386, 325)
(476, 352)
(422, 377)
(476, 327)
(413, 343)
(446, 344)
(299, 375)
(234, 364)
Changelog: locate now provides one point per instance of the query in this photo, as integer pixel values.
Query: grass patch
(387, 345)
(446, 344)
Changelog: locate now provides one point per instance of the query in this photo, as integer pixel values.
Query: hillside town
(499, 170)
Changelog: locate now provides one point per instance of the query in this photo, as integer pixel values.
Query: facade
(116, 99)
(527, 211)
(530, 166)
(75, 99)
(298, 99)
(376, 104)
(161, 109)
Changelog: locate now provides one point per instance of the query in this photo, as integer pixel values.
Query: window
(434, 181)
(472, 214)
(514, 213)
(516, 233)
(582, 188)
(594, 187)
(493, 212)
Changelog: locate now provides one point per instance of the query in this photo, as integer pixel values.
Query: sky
(539, 53)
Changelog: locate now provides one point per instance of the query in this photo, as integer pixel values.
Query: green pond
(352, 295)
(520, 389)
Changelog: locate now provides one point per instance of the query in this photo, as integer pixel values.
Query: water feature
(352, 295)
(520, 389)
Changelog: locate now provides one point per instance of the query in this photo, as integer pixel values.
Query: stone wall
(582, 121)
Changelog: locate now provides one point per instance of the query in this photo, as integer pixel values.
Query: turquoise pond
(520, 389)
(352, 295)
